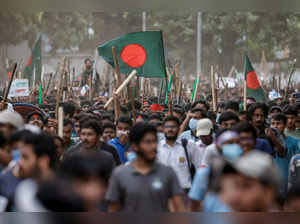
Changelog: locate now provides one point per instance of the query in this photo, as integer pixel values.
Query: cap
(260, 166)
(156, 107)
(12, 118)
(204, 127)
(275, 108)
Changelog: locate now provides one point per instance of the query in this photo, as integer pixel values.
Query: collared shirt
(120, 148)
(174, 156)
(188, 135)
(137, 192)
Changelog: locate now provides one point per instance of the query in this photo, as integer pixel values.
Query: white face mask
(122, 133)
(193, 124)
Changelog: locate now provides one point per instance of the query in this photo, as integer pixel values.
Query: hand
(270, 133)
(190, 115)
(3, 105)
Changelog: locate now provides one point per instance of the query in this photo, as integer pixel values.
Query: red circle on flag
(252, 81)
(134, 55)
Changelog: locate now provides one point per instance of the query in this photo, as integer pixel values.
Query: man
(144, 185)
(37, 119)
(171, 152)
(279, 122)
(90, 134)
(232, 106)
(258, 113)
(204, 133)
(87, 74)
(191, 121)
(121, 142)
(10, 122)
(248, 139)
(38, 161)
(109, 132)
(291, 113)
(228, 119)
(67, 133)
(201, 104)
(89, 175)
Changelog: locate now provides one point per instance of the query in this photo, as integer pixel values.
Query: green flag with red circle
(253, 86)
(142, 51)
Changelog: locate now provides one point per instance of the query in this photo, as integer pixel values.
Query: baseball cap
(204, 127)
(260, 166)
(12, 118)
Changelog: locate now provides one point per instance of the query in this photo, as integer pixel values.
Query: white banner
(19, 87)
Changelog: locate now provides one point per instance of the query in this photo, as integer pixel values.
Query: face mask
(232, 152)
(122, 133)
(193, 124)
(16, 155)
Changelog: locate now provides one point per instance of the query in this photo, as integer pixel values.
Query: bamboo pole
(60, 121)
(117, 68)
(245, 95)
(59, 93)
(213, 88)
(10, 82)
(132, 103)
(121, 87)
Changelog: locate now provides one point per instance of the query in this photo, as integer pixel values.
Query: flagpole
(198, 53)
(245, 95)
(213, 92)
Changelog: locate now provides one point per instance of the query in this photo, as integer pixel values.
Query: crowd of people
(189, 158)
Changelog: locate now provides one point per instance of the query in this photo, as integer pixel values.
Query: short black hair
(203, 112)
(85, 166)
(154, 116)
(211, 115)
(43, 145)
(68, 122)
(178, 111)
(245, 127)
(56, 137)
(201, 102)
(171, 118)
(227, 116)
(233, 105)
(254, 106)
(243, 112)
(124, 119)
(69, 108)
(139, 130)
(279, 117)
(87, 59)
(92, 124)
(109, 125)
(290, 110)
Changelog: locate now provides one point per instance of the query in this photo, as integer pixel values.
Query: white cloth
(210, 151)
(175, 158)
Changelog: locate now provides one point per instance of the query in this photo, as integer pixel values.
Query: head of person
(293, 198)
(247, 136)
(90, 133)
(88, 63)
(123, 126)
(89, 175)
(109, 131)
(67, 131)
(201, 104)
(258, 113)
(178, 112)
(205, 131)
(154, 119)
(232, 106)
(212, 116)
(143, 139)
(275, 110)
(243, 115)
(291, 113)
(59, 143)
(37, 119)
(10, 122)
(197, 114)
(221, 107)
(38, 156)
(250, 183)
(171, 127)
(227, 144)
(278, 121)
(228, 119)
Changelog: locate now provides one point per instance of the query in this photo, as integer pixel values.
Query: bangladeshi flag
(253, 87)
(34, 63)
(142, 51)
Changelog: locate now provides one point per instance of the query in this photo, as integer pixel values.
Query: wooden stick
(59, 93)
(60, 121)
(121, 87)
(212, 75)
(132, 103)
(117, 68)
(91, 88)
(10, 82)
(49, 82)
(245, 95)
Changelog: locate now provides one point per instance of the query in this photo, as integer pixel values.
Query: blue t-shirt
(212, 203)
(264, 146)
(122, 149)
(200, 184)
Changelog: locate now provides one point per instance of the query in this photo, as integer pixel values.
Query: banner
(19, 87)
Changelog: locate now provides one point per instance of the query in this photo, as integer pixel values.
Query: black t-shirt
(109, 148)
